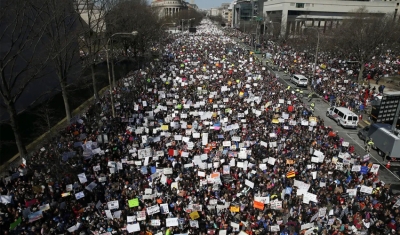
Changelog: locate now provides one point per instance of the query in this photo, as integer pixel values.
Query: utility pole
(252, 8)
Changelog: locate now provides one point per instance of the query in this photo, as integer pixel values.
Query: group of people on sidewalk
(205, 141)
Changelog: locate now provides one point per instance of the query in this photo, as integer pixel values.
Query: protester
(334, 76)
(207, 141)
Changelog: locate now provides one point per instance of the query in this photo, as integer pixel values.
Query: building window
(299, 5)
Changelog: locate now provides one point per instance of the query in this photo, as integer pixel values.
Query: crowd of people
(336, 76)
(206, 141)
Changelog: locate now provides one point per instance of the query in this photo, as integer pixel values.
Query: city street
(389, 176)
(163, 117)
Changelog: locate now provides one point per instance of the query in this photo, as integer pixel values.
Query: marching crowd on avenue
(207, 141)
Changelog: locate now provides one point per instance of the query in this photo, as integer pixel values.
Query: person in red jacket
(392, 225)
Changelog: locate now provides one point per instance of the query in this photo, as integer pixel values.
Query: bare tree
(63, 35)
(186, 14)
(128, 16)
(46, 118)
(363, 36)
(23, 59)
(92, 36)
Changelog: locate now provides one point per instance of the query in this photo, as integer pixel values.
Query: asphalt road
(388, 176)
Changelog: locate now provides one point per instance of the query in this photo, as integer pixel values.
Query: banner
(35, 216)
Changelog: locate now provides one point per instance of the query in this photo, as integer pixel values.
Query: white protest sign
(306, 226)
(113, 205)
(264, 200)
(366, 189)
(322, 212)
(167, 171)
(109, 214)
(171, 222)
(271, 161)
(164, 208)
(374, 169)
(155, 222)
(356, 168)
(275, 228)
(5, 199)
(249, 183)
(82, 178)
(131, 228)
(141, 215)
(148, 191)
(153, 210)
(194, 223)
(79, 195)
(130, 219)
(351, 192)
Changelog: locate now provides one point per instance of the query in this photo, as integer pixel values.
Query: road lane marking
(373, 157)
(362, 147)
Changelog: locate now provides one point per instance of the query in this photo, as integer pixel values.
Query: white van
(299, 80)
(343, 116)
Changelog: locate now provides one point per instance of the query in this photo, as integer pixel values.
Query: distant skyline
(208, 4)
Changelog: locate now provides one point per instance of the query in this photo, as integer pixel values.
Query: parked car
(343, 116)
(299, 80)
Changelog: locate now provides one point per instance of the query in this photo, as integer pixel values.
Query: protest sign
(153, 210)
(171, 222)
(258, 205)
(35, 216)
(194, 215)
(133, 202)
(131, 228)
(113, 205)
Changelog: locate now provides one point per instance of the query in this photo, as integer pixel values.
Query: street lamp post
(112, 85)
(316, 51)
(255, 39)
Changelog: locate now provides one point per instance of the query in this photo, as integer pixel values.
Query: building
(170, 7)
(192, 6)
(92, 14)
(224, 11)
(230, 14)
(291, 15)
(214, 12)
(243, 11)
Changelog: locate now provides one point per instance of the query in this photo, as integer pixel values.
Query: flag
(291, 174)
